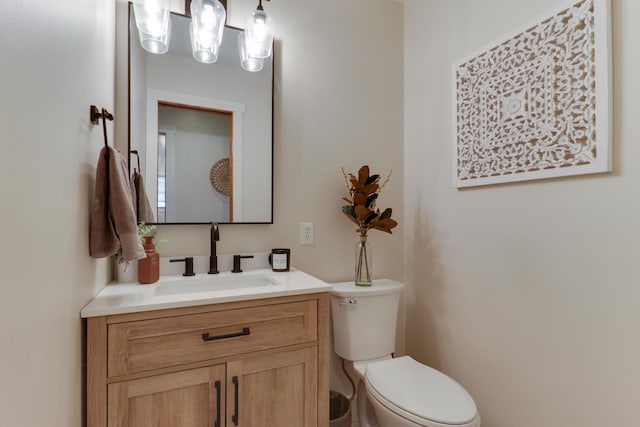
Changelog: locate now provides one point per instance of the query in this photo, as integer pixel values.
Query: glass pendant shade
(154, 24)
(259, 29)
(156, 44)
(206, 55)
(248, 62)
(208, 18)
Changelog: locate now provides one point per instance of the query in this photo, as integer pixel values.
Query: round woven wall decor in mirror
(219, 176)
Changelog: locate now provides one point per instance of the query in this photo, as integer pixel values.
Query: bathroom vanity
(252, 355)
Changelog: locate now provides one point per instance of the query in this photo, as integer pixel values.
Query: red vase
(149, 267)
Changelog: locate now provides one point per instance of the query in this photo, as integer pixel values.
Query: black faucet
(188, 265)
(213, 257)
(236, 262)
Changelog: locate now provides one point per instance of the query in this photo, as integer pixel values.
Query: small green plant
(150, 230)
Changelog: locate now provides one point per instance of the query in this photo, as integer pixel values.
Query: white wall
(57, 58)
(526, 293)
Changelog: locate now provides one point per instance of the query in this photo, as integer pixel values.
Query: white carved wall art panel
(536, 104)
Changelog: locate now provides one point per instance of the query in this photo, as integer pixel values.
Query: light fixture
(205, 31)
(154, 24)
(207, 26)
(259, 33)
(248, 62)
(204, 54)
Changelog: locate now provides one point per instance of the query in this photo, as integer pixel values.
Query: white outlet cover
(306, 233)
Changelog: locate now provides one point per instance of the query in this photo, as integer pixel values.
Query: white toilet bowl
(405, 393)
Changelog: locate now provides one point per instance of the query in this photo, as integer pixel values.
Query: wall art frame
(537, 103)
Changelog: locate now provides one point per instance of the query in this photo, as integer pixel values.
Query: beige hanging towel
(113, 220)
(142, 205)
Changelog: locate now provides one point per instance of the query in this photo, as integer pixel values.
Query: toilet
(391, 392)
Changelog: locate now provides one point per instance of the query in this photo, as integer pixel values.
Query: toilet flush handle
(348, 302)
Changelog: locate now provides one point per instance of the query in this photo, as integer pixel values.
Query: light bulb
(201, 53)
(152, 16)
(208, 18)
(247, 61)
(259, 33)
(154, 24)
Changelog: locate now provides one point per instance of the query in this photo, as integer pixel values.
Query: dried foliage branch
(363, 191)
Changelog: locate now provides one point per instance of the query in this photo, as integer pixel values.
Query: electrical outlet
(306, 233)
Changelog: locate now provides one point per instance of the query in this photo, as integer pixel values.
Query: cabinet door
(273, 391)
(193, 398)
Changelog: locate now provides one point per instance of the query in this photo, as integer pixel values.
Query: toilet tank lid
(421, 391)
(379, 287)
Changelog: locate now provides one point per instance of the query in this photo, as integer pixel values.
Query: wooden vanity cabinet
(261, 363)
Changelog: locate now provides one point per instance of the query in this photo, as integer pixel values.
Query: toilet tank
(364, 319)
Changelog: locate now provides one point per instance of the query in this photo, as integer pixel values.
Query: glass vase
(363, 262)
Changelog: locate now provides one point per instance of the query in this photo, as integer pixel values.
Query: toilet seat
(419, 393)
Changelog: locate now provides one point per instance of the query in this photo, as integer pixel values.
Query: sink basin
(212, 284)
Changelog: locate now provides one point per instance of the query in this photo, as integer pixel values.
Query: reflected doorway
(194, 166)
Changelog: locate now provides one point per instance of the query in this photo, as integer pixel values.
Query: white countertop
(119, 298)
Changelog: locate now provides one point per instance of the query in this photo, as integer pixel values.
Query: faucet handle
(213, 265)
(236, 262)
(188, 265)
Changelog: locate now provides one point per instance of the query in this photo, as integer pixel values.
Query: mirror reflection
(193, 143)
(203, 131)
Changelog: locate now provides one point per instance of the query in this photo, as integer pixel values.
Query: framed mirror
(203, 132)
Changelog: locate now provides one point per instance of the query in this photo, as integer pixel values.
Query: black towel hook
(138, 156)
(96, 115)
